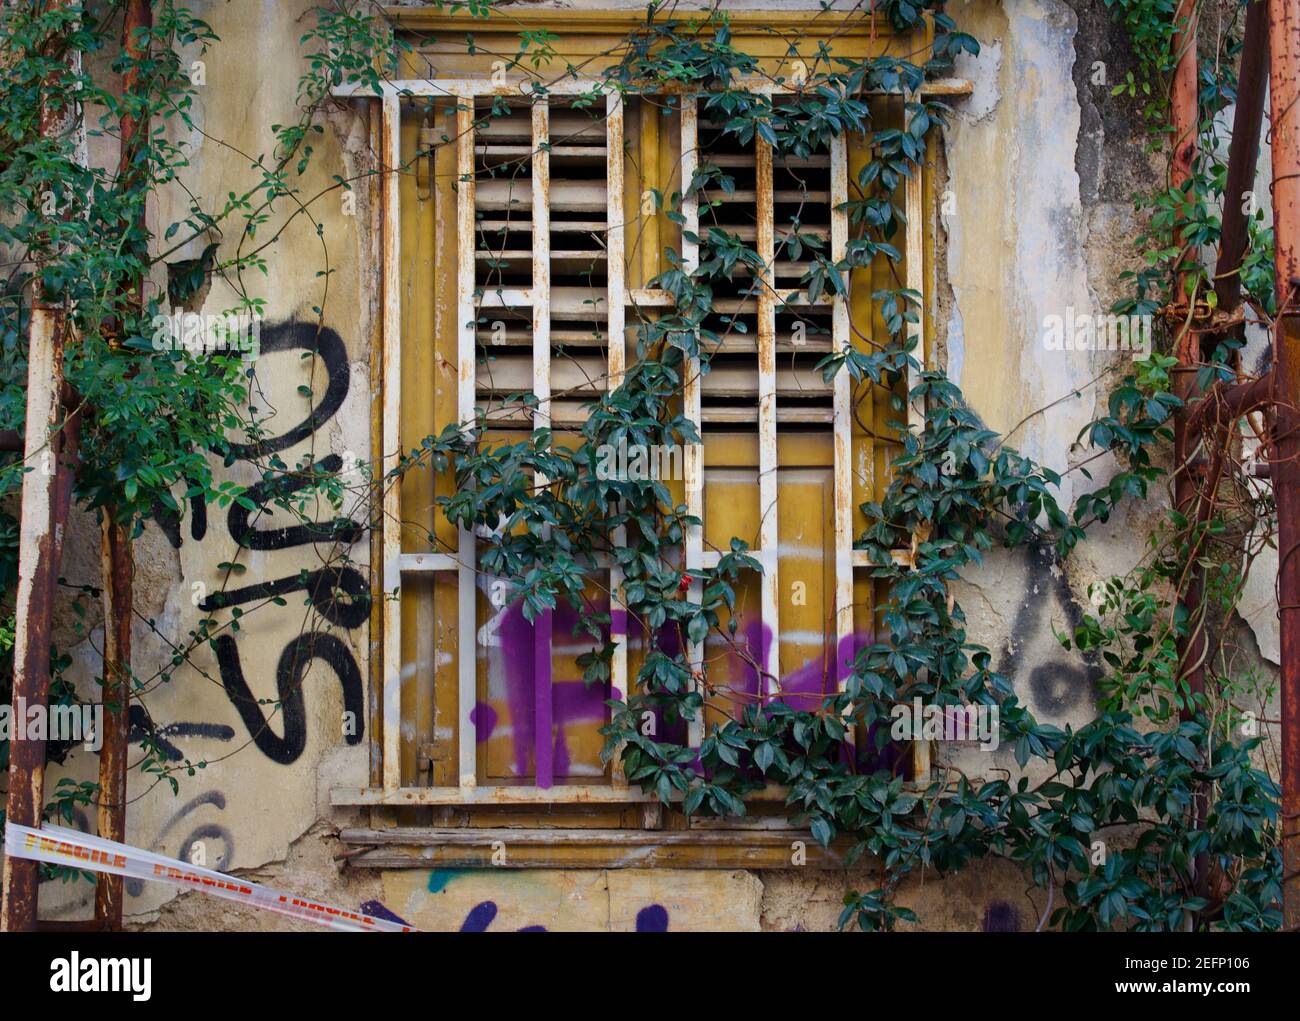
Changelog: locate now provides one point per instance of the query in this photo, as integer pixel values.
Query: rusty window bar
(693, 459)
(464, 561)
(616, 298)
(466, 321)
(842, 438)
(913, 207)
(769, 682)
(391, 154)
(544, 627)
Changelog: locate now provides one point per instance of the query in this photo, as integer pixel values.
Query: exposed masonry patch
(956, 341)
(983, 71)
(1110, 157)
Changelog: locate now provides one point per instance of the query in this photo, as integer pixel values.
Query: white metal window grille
(504, 283)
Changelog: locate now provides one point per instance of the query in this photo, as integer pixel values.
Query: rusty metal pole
(1284, 86)
(48, 448)
(1182, 102)
(1193, 646)
(1243, 154)
(117, 564)
(1238, 399)
(117, 567)
(37, 574)
(1183, 118)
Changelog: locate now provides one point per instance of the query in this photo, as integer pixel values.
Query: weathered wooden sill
(536, 848)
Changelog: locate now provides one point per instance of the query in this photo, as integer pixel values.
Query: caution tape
(59, 846)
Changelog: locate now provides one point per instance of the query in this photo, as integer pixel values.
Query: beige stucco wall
(245, 808)
(1038, 165)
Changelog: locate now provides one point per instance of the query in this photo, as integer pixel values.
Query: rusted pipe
(38, 569)
(1222, 404)
(1284, 90)
(49, 445)
(117, 569)
(1243, 154)
(1182, 101)
(116, 554)
(1193, 646)
(1187, 344)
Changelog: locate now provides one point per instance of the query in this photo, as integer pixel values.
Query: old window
(520, 246)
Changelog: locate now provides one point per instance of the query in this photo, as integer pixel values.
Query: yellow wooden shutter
(504, 284)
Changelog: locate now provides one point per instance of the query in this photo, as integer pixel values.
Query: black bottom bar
(377, 972)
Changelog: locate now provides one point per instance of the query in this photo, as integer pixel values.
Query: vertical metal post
(43, 509)
(117, 568)
(1187, 343)
(693, 462)
(1183, 122)
(466, 317)
(1284, 89)
(1183, 115)
(391, 155)
(769, 681)
(1243, 154)
(38, 570)
(541, 291)
(842, 425)
(1182, 103)
(116, 553)
(615, 305)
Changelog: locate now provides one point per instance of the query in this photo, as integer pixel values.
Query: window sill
(472, 847)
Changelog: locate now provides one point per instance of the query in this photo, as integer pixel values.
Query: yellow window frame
(407, 739)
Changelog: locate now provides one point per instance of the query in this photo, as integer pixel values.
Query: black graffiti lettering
(343, 530)
(135, 887)
(1059, 685)
(322, 341)
(339, 594)
(140, 727)
(203, 834)
(289, 674)
(170, 521)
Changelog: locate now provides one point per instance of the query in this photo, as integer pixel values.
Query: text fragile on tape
(58, 846)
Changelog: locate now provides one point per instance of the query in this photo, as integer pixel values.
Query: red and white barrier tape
(75, 849)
